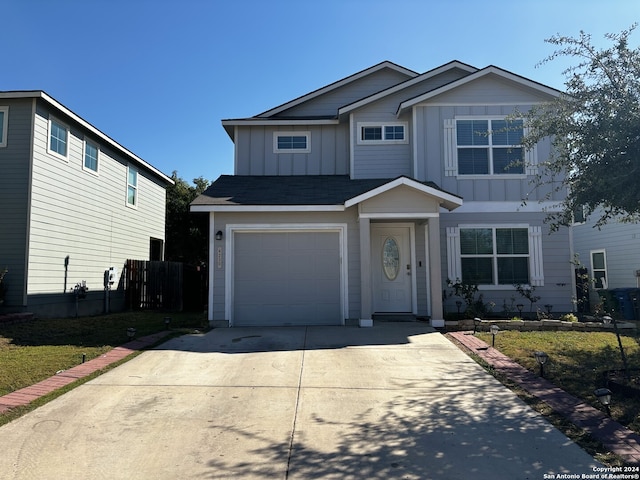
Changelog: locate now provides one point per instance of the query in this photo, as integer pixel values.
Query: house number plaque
(219, 257)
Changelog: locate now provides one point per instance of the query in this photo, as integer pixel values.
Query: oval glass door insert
(390, 258)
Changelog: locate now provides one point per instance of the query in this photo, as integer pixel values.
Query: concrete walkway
(394, 401)
(614, 436)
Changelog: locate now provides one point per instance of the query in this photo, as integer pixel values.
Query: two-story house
(73, 204)
(365, 196)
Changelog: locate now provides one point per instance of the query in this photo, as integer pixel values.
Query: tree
(595, 130)
(186, 232)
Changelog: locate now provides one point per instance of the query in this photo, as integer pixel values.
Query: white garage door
(286, 278)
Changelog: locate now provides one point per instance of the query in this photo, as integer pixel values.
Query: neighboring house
(74, 203)
(363, 197)
(611, 257)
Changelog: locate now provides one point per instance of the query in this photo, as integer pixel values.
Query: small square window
(58, 138)
(90, 156)
(4, 120)
(372, 133)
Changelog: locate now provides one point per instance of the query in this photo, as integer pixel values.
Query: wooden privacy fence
(154, 285)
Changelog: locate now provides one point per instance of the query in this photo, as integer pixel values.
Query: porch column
(212, 267)
(435, 273)
(365, 272)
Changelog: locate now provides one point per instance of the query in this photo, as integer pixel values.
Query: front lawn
(576, 363)
(34, 350)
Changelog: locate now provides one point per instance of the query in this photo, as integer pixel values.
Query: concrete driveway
(394, 401)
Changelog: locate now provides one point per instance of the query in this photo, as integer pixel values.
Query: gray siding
(15, 168)
(329, 103)
(558, 270)
(329, 152)
(431, 157)
(621, 242)
(81, 219)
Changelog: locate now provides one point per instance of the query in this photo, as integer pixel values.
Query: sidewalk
(615, 437)
(26, 395)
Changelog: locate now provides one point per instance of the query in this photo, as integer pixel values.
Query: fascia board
(76, 118)
(267, 208)
(339, 83)
(552, 92)
(449, 201)
(396, 88)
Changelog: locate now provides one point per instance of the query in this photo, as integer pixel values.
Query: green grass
(576, 363)
(35, 350)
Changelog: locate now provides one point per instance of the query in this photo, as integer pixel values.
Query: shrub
(569, 317)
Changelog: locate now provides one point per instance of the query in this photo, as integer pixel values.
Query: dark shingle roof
(288, 190)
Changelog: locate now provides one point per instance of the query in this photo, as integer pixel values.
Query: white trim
(451, 200)
(361, 125)
(427, 271)
(136, 186)
(235, 122)
(414, 143)
(54, 103)
(407, 216)
(4, 127)
(408, 83)
(267, 208)
(352, 146)
(86, 142)
(605, 282)
(292, 133)
(508, 207)
(232, 228)
(212, 269)
(474, 76)
(412, 255)
(53, 153)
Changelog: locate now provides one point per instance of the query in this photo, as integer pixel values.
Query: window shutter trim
(450, 148)
(454, 265)
(535, 256)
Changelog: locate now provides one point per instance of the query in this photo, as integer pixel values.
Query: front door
(391, 268)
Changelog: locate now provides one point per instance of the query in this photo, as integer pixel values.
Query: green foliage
(528, 292)
(594, 130)
(186, 232)
(569, 317)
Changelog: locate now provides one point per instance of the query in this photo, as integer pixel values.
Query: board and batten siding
(433, 150)
(15, 166)
(329, 153)
(557, 269)
(83, 217)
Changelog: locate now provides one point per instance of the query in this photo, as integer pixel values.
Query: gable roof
(455, 64)
(40, 94)
(490, 70)
(337, 84)
(306, 192)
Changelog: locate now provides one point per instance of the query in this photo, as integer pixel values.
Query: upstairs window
(489, 146)
(291, 142)
(90, 156)
(58, 138)
(132, 187)
(4, 121)
(376, 133)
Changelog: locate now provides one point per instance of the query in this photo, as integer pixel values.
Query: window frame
(4, 125)
(361, 126)
(604, 284)
(65, 126)
(131, 168)
(86, 142)
(294, 133)
(490, 147)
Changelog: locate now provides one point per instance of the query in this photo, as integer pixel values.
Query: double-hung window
(132, 186)
(599, 268)
(376, 133)
(90, 156)
(291, 142)
(58, 138)
(489, 146)
(495, 255)
(4, 121)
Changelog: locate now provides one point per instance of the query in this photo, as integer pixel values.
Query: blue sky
(158, 76)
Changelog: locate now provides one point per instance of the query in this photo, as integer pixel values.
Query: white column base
(437, 323)
(364, 322)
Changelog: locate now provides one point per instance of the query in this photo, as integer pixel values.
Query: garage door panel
(287, 278)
